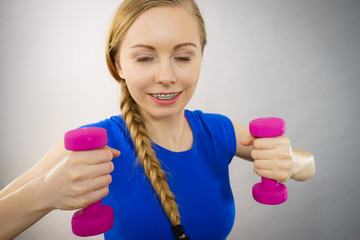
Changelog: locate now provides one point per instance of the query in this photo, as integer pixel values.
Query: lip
(164, 93)
(166, 102)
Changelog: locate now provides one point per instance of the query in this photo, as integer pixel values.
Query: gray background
(299, 60)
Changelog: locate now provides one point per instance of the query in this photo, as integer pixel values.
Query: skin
(161, 53)
(69, 180)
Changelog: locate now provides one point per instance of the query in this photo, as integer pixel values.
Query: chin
(167, 112)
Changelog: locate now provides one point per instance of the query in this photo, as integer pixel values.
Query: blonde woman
(171, 166)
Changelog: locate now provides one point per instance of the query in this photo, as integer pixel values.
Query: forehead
(163, 25)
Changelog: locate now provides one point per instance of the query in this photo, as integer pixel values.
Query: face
(160, 60)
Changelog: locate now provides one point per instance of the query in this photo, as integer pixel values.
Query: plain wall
(299, 60)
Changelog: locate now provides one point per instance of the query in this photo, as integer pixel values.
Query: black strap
(178, 231)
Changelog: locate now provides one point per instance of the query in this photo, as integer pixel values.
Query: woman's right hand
(79, 178)
(60, 180)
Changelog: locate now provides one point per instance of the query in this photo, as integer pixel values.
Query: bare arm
(45, 164)
(60, 180)
(22, 201)
(242, 133)
(21, 209)
(274, 157)
(304, 165)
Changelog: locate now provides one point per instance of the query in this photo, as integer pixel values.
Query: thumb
(248, 140)
(114, 152)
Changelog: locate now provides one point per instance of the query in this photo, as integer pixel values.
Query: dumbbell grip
(96, 218)
(267, 127)
(268, 191)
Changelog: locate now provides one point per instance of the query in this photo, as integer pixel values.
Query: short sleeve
(222, 129)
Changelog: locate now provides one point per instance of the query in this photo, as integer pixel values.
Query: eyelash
(183, 59)
(149, 59)
(144, 60)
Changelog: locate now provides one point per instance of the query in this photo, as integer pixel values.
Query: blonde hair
(126, 14)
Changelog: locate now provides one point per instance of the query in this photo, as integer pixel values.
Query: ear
(119, 69)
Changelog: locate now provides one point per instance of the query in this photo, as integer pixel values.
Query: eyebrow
(176, 47)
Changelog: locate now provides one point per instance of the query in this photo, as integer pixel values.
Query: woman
(171, 166)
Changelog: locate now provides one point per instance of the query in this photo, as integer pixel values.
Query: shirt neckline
(185, 153)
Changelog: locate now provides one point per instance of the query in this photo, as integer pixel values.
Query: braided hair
(126, 14)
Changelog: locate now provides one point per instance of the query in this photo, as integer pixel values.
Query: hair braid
(126, 14)
(146, 155)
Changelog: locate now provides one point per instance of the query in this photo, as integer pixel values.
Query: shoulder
(209, 118)
(217, 126)
(112, 125)
(116, 129)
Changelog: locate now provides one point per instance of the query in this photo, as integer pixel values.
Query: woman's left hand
(273, 157)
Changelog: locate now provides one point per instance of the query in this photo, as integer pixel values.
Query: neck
(173, 133)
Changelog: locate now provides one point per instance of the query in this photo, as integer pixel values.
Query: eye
(183, 59)
(144, 59)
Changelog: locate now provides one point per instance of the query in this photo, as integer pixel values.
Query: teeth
(165, 96)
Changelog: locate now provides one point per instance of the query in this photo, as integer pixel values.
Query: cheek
(136, 78)
(191, 76)
(135, 86)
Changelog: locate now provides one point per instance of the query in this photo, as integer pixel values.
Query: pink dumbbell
(96, 218)
(268, 191)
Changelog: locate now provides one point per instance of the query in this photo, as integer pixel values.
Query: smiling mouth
(165, 96)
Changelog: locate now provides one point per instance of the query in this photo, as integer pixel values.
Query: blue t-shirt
(199, 179)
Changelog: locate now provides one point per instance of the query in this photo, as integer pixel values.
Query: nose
(165, 73)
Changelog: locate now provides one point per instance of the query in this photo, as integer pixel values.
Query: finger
(92, 171)
(87, 186)
(265, 143)
(263, 154)
(248, 140)
(273, 165)
(264, 173)
(92, 197)
(280, 176)
(96, 170)
(99, 182)
(264, 164)
(94, 156)
(86, 171)
(270, 143)
(114, 152)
